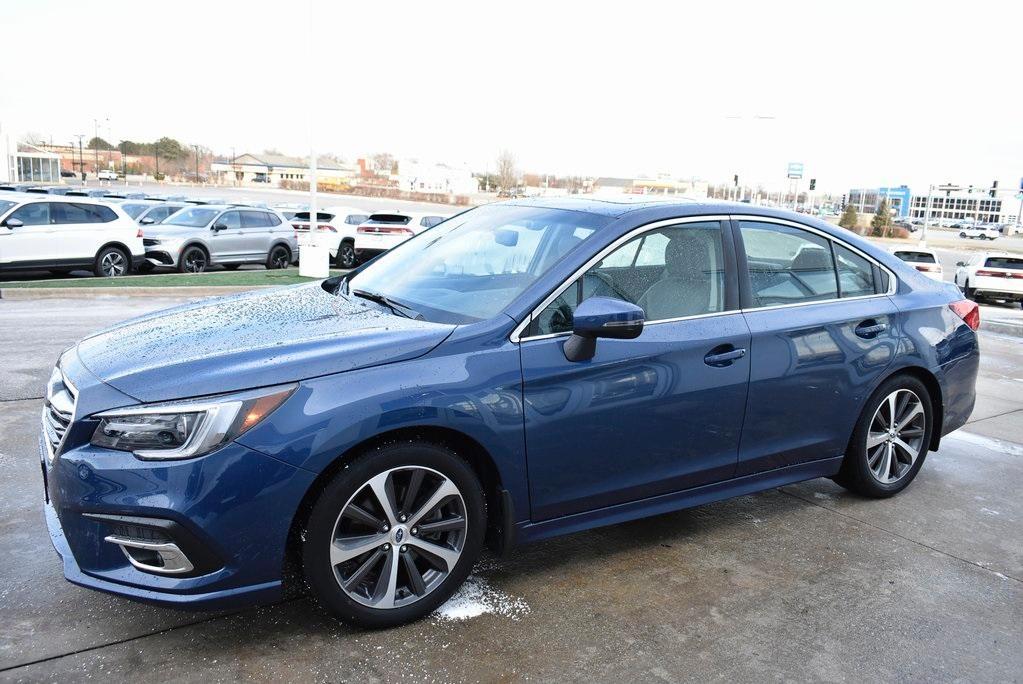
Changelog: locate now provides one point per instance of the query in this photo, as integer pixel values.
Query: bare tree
(507, 176)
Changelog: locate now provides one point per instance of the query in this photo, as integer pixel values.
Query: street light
(196, 148)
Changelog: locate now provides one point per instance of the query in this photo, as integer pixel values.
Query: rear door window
(255, 219)
(788, 265)
(855, 273)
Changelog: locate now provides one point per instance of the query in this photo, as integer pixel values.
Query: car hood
(251, 340)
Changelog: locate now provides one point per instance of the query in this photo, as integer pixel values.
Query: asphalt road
(800, 583)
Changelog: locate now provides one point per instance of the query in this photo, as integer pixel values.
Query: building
(956, 205)
(869, 200)
(262, 170)
(662, 185)
(417, 176)
(28, 164)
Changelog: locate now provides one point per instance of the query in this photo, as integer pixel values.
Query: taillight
(330, 228)
(968, 311)
(929, 268)
(993, 274)
(364, 231)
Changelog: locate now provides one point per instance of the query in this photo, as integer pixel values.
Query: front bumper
(234, 507)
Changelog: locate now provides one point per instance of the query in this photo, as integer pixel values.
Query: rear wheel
(969, 292)
(346, 255)
(962, 234)
(278, 258)
(112, 262)
(890, 441)
(394, 534)
(193, 260)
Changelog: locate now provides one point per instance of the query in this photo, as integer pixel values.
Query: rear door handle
(723, 358)
(869, 329)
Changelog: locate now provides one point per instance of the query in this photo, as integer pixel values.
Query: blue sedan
(522, 370)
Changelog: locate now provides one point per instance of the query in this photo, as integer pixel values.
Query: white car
(922, 259)
(107, 174)
(991, 275)
(60, 234)
(383, 231)
(337, 226)
(981, 232)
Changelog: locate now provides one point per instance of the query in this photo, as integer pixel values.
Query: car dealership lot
(805, 582)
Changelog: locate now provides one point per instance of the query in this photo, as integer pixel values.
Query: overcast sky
(865, 93)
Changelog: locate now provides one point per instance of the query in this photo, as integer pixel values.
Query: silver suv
(195, 237)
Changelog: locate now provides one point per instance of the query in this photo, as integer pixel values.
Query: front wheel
(394, 534)
(962, 235)
(278, 258)
(193, 260)
(890, 441)
(112, 262)
(346, 255)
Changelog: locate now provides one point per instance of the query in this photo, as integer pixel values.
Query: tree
(507, 176)
(849, 218)
(882, 221)
(384, 163)
(99, 144)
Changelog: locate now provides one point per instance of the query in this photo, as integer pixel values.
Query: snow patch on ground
(476, 597)
(989, 443)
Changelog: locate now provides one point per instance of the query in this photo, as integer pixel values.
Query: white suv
(383, 231)
(980, 232)
(337, 226)
(46, 232)
(992, 275)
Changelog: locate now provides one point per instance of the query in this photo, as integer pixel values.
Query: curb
(27, 293)
(1002, 327)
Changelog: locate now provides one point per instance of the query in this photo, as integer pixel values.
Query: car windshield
(917, 257)
(134, 210)
(193, 218)
(473, 265)
(1004, 262)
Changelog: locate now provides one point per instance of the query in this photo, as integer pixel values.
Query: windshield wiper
(395, 306)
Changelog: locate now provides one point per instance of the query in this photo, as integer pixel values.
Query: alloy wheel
(195, 261)
(279, 258)
(113, 264)
(398, 537)
(895, 439)
(347, 256)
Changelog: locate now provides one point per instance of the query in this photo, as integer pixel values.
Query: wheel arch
(500, 518)
(930, 381)
(114, 243)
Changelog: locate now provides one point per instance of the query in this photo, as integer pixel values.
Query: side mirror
(602, 317)
(960, 263)
(147, 221)
(219, 226)
(12, 223)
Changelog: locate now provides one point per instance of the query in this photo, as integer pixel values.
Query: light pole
(81, 162)
(196, 148)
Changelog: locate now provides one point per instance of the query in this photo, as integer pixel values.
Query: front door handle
(870, 329)
(720, 358)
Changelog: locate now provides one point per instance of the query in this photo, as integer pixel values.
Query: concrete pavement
(804, 582)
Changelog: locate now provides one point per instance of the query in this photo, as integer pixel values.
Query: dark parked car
(520, 371)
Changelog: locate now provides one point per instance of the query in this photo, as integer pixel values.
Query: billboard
(795, 170)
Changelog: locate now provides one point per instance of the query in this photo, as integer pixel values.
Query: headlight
(185, 429)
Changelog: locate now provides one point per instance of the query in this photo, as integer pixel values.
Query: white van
(46, 232)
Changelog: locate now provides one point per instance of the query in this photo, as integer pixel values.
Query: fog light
(163, 557)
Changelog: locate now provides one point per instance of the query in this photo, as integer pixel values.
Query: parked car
(907, 224)
(135, 208)
(383, 231)
(338, 225)
(106, 174)
(86, 192)
(205, 200)
(984, 232)
(991, 275)
(370, 431)
(157, 212)
(195, 237)
(289, 209)
(67, 173)
(922, 259)
(127, 194)
(46, 232)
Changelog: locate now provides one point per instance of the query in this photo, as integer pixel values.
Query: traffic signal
(735, 179)
(843, 201)
(813, 183)
(994, 189)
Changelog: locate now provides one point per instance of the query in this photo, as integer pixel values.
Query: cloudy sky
(865, 93)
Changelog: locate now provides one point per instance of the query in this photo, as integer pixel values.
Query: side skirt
(666, 503)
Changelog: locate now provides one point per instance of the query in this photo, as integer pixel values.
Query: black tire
(856, 474)
(969, 292)
(962, 234)
(278, 258)
(232, 267)
(193, 260)
(325, 515)
(112, 262)
(346, 255)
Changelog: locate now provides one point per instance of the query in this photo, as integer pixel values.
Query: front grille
(149, 242)
(58, 411)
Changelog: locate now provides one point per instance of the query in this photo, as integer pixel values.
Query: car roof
(910, 248)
